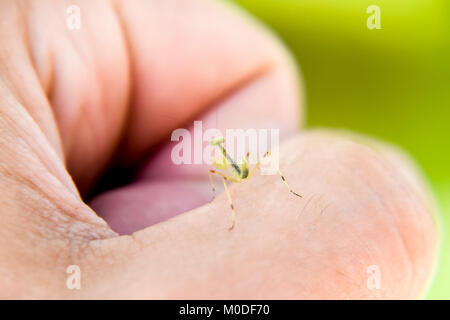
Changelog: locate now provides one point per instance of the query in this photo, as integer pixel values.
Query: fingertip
(380, 208)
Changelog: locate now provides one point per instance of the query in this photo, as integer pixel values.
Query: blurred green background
(392, 83)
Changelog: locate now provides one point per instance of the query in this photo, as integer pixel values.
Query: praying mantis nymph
(239, 173)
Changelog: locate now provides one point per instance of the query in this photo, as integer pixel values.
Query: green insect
(239, 173)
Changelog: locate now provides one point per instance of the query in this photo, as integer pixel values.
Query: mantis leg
(279, 172)
(230, 201)
(233, 212)
(213, 188)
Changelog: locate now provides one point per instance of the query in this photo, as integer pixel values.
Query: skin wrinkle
(26, 46)
(83, 116)
(131, 74)
(362, 179)
(68, 220)
(318, 259)
(340, 272)
(324, 209)
(239, 85)
(319, 216)
(333, 268)
(83, 113)
(66, 143)
(350, 170)
(44, 70)
(368, 251)
(31, 146)
(127, 262)
(324, 253)
(408, 191)
(365, 247)
(411, 271)
(40, 231)
(25, 180)
(124, 43)
(88, 63)
(380, 148)
(23, 8)
(47, 79)
(109, 252)
(403, 189)
(305, 206)
(220, 95)
(372, 259)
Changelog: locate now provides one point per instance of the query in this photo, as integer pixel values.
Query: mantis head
(216, 141)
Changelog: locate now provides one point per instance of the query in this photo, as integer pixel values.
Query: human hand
(71, 101)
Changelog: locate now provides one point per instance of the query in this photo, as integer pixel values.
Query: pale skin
(71, 100)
